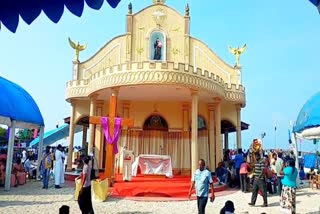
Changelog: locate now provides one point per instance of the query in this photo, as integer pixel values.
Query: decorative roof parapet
(146, 72)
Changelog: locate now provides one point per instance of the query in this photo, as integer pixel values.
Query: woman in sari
(288, 194)
(19, 173)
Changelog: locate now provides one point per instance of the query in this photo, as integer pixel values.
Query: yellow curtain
(172, 146)
(153, 142)
(203, 146)
(176, 144)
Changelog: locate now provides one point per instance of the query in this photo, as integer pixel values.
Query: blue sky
(280, 66)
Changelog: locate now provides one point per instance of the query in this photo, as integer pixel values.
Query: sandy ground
(30, 198)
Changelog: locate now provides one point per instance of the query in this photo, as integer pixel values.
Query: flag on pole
(316, 3)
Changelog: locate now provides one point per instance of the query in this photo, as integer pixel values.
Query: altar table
(153, 165)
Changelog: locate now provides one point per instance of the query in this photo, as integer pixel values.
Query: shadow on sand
(24, 203)
(134, 212)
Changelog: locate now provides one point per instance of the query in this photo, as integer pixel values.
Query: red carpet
(155, 186)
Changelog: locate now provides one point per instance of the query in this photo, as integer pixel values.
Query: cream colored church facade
(183, 98)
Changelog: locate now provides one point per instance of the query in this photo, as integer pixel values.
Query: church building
(175, 96)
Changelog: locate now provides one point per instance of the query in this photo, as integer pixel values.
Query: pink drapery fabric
(35, 133)
(117, 129)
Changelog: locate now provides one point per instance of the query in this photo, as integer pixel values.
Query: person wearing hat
(259, 182)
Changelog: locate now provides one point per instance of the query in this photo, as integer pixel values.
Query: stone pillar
(92, 126)
(194, 133)
(186, 148)
(217, 117)
(185, 117)
(226, 140)
(124, 131)
(75, 68)
(98, 134)
(129, 32)
(187, 35)
(212, 147)
(238, 127)
(84, 135)
(71, 136)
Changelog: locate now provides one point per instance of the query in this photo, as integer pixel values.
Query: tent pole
(10, 155)
(40, 152)
(295, 151)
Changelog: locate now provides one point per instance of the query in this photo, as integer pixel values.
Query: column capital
(238, 107)
(115, 91)
(93, 97)
(212, 106)
(126, 104)
(217, 100)
(99, 103)
(185, 106)
(194, 92)
(73, 103)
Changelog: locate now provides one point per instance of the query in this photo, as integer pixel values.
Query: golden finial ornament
(77, 47)
(237, 52)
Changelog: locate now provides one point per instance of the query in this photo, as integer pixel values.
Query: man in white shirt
(30, 168)
(278, 167)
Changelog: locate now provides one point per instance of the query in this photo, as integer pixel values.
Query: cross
(96, 120)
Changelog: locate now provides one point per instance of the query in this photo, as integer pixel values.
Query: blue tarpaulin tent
(17, 110)
(308, 121)
(54, 135)
(310, 161)
(29, 10)
(18, 105)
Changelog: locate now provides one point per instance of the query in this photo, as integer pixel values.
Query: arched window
(155, 122)
(157, 46)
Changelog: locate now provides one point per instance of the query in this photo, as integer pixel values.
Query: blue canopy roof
(29, 10)
(54, 135)
(316, 3)
(309, 115)
(18, 105)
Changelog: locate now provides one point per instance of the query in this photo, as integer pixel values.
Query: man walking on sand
(201, 180)
(259, 182)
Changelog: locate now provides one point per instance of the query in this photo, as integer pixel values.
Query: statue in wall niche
(157, 49)
(237, 52)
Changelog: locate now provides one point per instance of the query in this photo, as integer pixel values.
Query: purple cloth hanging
(117, 129)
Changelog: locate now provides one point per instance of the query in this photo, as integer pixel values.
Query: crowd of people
(25, 164)
(259, 173)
